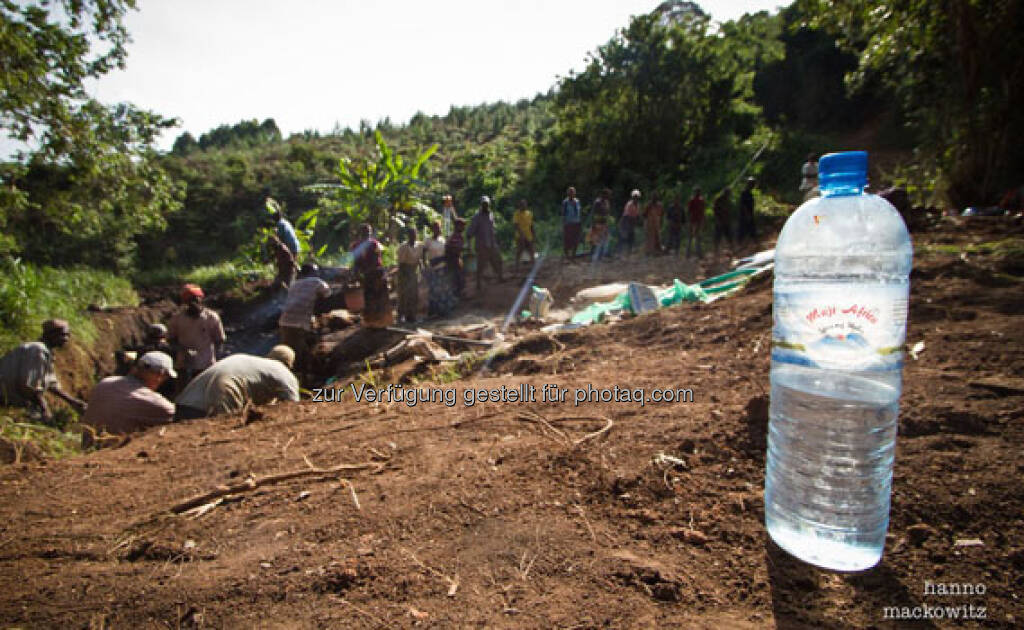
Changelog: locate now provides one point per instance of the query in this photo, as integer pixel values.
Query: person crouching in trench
(120, 405)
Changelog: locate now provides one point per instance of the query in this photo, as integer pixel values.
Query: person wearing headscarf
(367, 262)
(197, 332)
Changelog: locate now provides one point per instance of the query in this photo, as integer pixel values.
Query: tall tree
(958, 67)
(660, 101)
(86, 174)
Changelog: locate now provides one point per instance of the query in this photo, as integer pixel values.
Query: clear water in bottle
(842, 267)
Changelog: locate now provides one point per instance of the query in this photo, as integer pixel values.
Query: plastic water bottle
(842, 267)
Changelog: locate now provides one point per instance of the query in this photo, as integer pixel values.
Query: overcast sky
(312, 63)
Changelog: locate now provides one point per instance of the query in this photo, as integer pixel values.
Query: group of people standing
(439, 260)
(655, 220)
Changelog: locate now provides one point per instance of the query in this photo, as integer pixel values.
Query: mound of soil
(537, 514)
(79, 366)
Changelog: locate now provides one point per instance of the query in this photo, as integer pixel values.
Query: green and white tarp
(706, 291)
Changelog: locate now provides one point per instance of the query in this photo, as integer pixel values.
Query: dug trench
(80, 365)
(543, 514)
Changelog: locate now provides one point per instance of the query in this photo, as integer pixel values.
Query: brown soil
(79, 366)
(484, 516)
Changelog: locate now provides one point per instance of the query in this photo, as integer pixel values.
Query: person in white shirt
(809, 177)
(295, 325)
(434, 270)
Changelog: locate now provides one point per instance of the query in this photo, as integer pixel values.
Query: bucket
(540, 302)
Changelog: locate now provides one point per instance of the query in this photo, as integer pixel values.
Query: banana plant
(382, 192)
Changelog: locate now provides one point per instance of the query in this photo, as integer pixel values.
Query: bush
(225, 276)
(26, 439)
(30, 295)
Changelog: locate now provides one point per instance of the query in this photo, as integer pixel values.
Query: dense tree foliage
(668, 101)
(247, 133)
(86, 185)
(387, 192)
(957, 67)
(805, 89)
(672, 100)
(486, 149)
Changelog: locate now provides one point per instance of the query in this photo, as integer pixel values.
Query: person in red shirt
(695, 210)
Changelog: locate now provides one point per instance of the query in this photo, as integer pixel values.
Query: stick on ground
(453, 582)
(563, 437)
(252, 483)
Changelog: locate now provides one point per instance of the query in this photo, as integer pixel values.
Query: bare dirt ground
(490, 516)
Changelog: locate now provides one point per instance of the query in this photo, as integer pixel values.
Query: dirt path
(483, 516)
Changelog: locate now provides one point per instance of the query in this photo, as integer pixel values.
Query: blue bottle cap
(844, 173)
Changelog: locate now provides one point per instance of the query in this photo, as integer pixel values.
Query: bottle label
(850, 328)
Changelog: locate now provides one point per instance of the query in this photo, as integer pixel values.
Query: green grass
(52, 442)
(451, 371)
(30, 295)
(222, 277)
(766, 205)
(1012, 247)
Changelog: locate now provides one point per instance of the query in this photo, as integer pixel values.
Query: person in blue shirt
(572, 228)
(286, 232)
